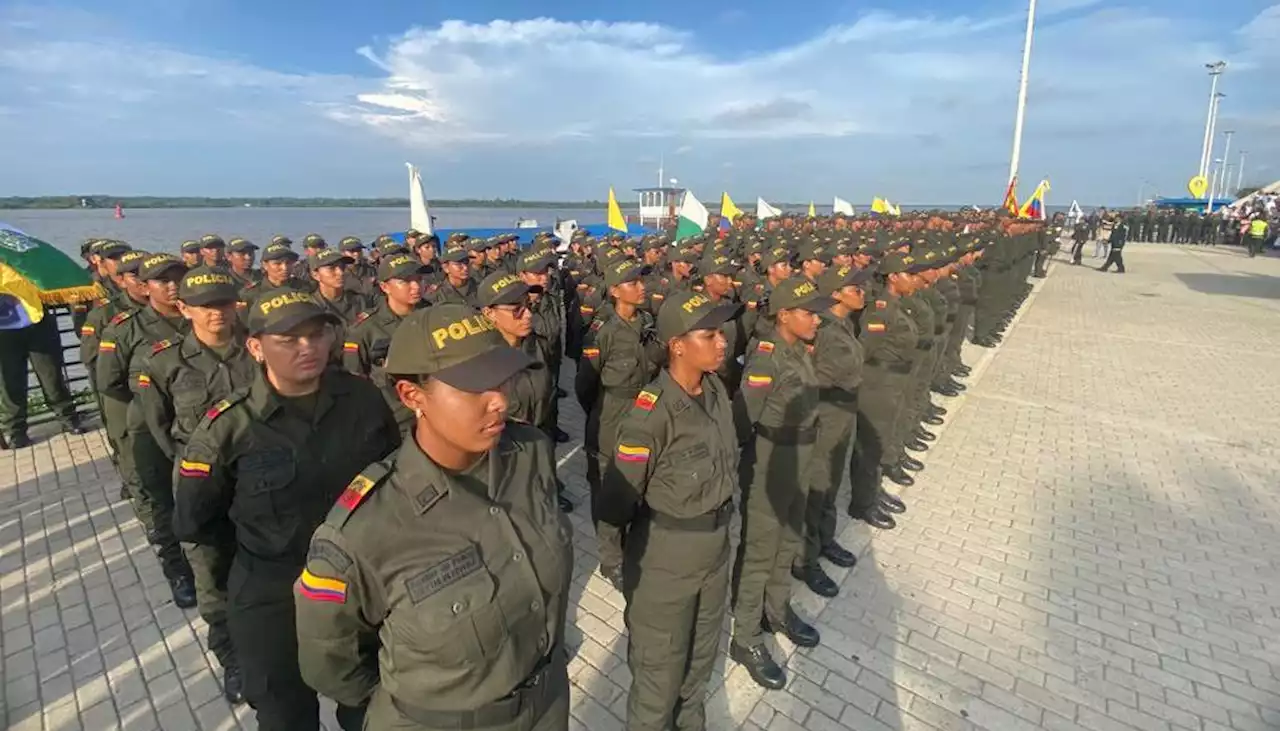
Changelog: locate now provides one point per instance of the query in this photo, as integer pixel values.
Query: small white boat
(526, 223)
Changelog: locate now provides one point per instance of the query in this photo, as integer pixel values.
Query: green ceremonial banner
(37, 274)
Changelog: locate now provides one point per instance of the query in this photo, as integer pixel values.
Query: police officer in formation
(670, 488)
(267, 462)
(364, 351)
(435, 591)
(620, 354)
(126, 344)
(182, 380)
(769, 359)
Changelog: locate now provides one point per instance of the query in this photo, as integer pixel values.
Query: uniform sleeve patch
(587, 310)
(754, 381)
(350, 347)
(196, 470)
(216, 410)
(646, 400)
(591, 353)
(764, 347)
(87, 330)
(321, 589)
(106, 346)
(875, 327)
(355, 492)
(144, 381)
(628, 453)
(330, 553)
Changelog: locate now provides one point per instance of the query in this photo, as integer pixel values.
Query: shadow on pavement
(1258, 286)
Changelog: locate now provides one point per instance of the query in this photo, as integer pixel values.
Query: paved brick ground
(1093, 546)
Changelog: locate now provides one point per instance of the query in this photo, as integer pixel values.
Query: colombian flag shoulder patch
(216, 410)
(197, 470)
(144, 381)
(759, 381)
(107, 346)
(321, 589)
(646, 400)
(349, 347)
(875, 327)
(87, 331)
(355, 492)
(591, 353)
(628, 453)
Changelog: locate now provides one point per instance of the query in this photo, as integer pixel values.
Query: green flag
(36, 274)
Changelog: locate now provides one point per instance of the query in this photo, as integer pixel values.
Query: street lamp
(1215, 70)
(1022, 92)
(1213, 176)
(1240, 172)
(1142, 199)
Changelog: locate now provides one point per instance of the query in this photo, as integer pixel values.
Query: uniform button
(457, 607)
(536, 606)
(518, 557)
(493, 510)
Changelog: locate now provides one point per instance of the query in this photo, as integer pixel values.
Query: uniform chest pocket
(451, 613)
(696, 462)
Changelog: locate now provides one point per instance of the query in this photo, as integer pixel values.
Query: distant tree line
(146, 201)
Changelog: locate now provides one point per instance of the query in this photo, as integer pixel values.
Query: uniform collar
(264, 400)
(424, 483)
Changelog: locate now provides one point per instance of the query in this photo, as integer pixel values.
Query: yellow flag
(812, 212)
(879, 205)
(617, 221)
(728, 210)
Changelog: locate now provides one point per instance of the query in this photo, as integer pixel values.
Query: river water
(164, 229)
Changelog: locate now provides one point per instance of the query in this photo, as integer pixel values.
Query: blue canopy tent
(1192, 203)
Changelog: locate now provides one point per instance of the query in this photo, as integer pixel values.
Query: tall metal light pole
(1213, 176)
(1240, 172)
(1225, 171)
(1215, 70)
(1213, 127)
(1022, 91)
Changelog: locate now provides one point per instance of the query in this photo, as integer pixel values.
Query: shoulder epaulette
(596, 324)
(360, 487)
(765, 346)
(363, 316)
(219, 408)
(121, 316)
(161, 346)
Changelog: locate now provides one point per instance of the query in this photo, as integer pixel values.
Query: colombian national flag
(628, 453)
(1011, 197)
(321, 589)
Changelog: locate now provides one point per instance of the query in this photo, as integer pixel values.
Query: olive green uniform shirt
(676, 454)
(255, 458)
(182, 380)
(461, 579)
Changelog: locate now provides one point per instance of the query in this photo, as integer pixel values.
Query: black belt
(705, 523)
(536, 692)
(788, 434)
(837, 395)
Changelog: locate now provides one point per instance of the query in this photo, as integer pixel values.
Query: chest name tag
(449, 571)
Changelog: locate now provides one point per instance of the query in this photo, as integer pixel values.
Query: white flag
(419, 216)
(842, 206)
(764, 210)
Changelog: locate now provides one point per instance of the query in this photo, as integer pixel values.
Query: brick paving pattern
(1092, 546)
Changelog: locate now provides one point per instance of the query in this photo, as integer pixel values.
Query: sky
(558, 100)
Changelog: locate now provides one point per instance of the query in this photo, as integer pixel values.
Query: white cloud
(870, 103)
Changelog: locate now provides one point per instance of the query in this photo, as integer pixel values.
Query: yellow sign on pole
(1197, 186)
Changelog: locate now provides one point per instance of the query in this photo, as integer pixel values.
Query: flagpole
(1022, 91)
